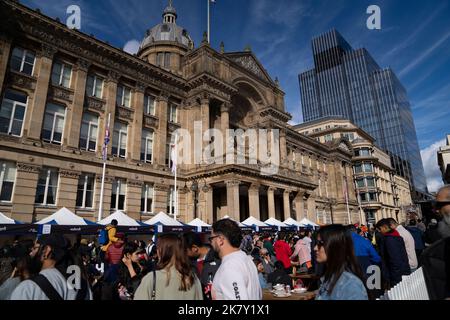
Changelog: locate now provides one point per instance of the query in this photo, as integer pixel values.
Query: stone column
(25, 191)
(225, 124)
(183, 213)
(287, 204)
(207, 207)
(75, 112)
(253, 200)
(204, 115)
(159, 151)
(283, 148)
(68, 183)
(106, 195)
(136, 134)
(161, 195)
(271, 201)
(133, 199)
(36, 108)
(311, 204)
(110, 95)
(5, 49)
(299, 205)
(233, 199)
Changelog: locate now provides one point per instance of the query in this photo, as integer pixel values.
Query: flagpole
(100, 207)
(209, 22)
(176, 169)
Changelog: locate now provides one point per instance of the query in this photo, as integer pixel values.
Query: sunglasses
(440, 204)
(320, 243)
(212, 238)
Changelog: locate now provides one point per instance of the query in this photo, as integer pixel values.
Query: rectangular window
(368, 167)
(7, 179)
(89, 132)
(85, 191)
(119, 146)
(147, 198)
(328, 138)
(160, 59)
(61, 74)
(124, 96)
(167, 60)
(23, 61)
(53, 127)
(118, 194)
(370, 182)
(12, 112)
(147, 146)
(149, 105)
(94, 86)
(358, 168)
(173, 113)
(362, 197)
(360, 183)
(372, 196)
(47, 187)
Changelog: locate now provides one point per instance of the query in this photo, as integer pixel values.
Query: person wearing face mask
(435, 260)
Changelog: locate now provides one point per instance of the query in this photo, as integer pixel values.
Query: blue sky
(414, 41)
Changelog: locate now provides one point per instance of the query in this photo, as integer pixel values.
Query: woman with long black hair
(174, 278)
(343, 278)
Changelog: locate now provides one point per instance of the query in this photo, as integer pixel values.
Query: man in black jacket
(393, 254)
(436, 258)
(204, 259)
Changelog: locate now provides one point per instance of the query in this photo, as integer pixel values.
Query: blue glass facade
(349, 83)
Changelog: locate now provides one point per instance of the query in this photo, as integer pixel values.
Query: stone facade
(444, 161)
(381, 193)
(55, 159)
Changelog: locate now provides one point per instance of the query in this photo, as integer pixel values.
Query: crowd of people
(228, 264)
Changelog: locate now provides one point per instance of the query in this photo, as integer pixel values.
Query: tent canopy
(163, 219)
(240, 224)
(5, 220)
(275, 222)
(65, 217)
(122, 219)
(252, 221)
(198, 223)
(307, 222)
(292, 222)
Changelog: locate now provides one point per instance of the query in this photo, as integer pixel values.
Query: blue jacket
(365, 252)
(348, 287)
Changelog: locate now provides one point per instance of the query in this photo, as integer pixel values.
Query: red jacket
(114, 253)
(283, 252)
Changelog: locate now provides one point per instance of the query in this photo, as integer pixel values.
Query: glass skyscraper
(349, 83)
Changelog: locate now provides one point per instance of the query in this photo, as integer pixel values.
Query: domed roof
(168, 30)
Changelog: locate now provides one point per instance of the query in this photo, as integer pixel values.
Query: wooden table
(267, 295)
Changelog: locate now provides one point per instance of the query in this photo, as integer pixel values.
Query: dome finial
(170, 14)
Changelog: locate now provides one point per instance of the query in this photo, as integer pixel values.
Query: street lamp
(194, 189)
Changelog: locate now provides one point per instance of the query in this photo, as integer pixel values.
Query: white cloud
(430, 163)
(132, 46)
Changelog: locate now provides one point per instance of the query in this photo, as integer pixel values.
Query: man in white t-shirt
(237, 277)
